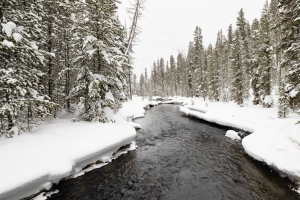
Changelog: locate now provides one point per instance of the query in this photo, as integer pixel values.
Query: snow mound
(17, 37)
(195, 108)
(233, 135)
(8, 28)
(8, 43)
(36, 160)
(134, 109)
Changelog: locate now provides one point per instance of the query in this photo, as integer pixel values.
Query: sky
(168, 25)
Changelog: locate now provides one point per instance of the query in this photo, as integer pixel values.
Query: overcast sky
(168, 25)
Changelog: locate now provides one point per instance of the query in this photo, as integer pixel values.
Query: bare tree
(135, 12)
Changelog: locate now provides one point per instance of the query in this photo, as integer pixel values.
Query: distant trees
(60, 54)
(253, 59)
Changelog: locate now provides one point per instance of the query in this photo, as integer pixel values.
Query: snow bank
(35, 160)
(62, 148)
(173, 100)
(134, 109)
(273, 141)
(233, 135)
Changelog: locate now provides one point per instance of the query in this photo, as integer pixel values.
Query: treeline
(252, 59)
(59, 54)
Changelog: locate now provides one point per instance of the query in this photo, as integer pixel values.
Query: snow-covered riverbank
(273, 141)
(61, 148)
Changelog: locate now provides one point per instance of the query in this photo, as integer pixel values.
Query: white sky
(168, 25)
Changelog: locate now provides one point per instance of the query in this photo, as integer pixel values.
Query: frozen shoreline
(34, 161)
(273, 141)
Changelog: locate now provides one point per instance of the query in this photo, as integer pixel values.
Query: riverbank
(33, 161)
(179, 158)
(273, 141)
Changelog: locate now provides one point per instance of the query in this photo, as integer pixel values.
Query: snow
(134, 109)
(273, 141)
(73, 16)
(17, 37)
(59, 149)
(233, 135)
(174, 100)
(268, 100)
(89, 39)
(44, 196)
(294, 93)
(8, 28)
(33, 45)
(109, 96)
(7, 43)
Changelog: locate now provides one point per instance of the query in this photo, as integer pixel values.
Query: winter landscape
(107, 99)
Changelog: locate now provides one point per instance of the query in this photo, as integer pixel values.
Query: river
(179, 158)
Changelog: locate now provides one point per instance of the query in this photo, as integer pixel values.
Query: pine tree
(237, 69)
(290, 24)
(275, 38)
(229, 73)
(255, 43)
(283, 101)
(265, 56)
(67, 35)
(100, 77)
(197, 75)
(215, 85)
(182, 75)
(162, 76)
(210, 72)
(142, 91)
(146, 85)
(173, 77)
(190, 70)
(22, 103)
(245, 55)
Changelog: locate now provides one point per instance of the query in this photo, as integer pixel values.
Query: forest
(258, 59)
(73, 55)
(60, 55)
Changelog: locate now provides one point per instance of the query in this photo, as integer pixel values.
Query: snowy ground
(61, 148)
(273, 141)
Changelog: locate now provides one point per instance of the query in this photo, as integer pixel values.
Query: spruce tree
(290, 23)
(237, 70)
(197, 76)
(22, 102)
(229, 73)
(265, 54)
(255, 43)
(100, 76)
(190, 70)
(210, 72)
(245, 54)
(173, 77)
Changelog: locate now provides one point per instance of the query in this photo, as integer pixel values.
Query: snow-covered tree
(255, 43)
(290, 45)
(197, 75)
(190, 70)
(210, 72)
(237, 70)
(265, 53)
(100, 77)
(22, 102)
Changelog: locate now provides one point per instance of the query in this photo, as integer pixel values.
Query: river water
(179, 158)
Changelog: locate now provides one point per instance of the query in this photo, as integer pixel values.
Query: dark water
(179, 158)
